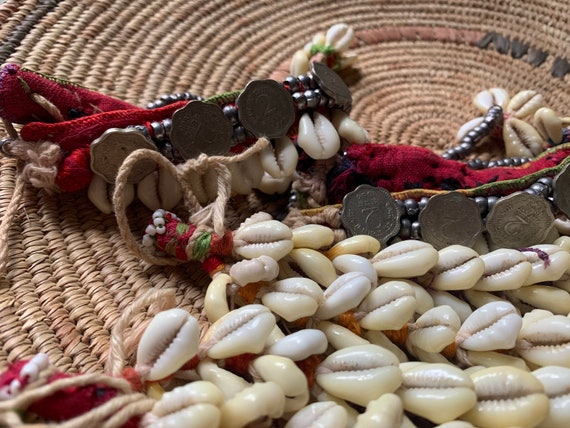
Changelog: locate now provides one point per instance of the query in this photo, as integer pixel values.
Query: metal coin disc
(451, 218)
(265, 109)
(369, 210)
(331, 84)
(200, 127)
(519, 220)
(109, 151)
(561, 192)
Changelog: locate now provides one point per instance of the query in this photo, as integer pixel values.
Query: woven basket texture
(70, 276)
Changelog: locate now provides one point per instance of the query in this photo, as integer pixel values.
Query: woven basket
(70, 276)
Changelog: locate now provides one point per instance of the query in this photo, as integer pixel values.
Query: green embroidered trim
(52, 78)
(327, 50)
(202, 246)
(224, 98)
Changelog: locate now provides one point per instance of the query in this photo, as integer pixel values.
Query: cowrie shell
(505, 269)
(351, 413)
(348, 128)
(380, 339)
(562, 226)
(262, 268)
(548, 124)
(435, 329)
(359, 374)
(293, 298)
(98, 193)
(521, 139)
(468, 126)
(270, 238)
(339, 36)
(343, 294)
(275, 336)
(182, 397)
(246, 174)
(274, 186)
(456, 424)
(319, 415)
(229, 383)
(484, 100)
(386, 411)
(300, 345)
(280, 159)
(346, 263)
(546, 341)
(357, 244)
(405, 259)
(477, 298)
(215, 299)
(524, 104)
(204, 186)
(541, 296)
(437, 392)
(461, 308)
(317, 136)
(489, 359)
(200, 415)
(159, 189)
(347, 59)
(457, 268)
(314, 265)
(424, 301)
(388, 307)
(314, 236)
(507, 397)
(240, 331)
(340, 337)
(490, 327)
(170, 340)
(299, 63)
(555, 381)
(557, 264)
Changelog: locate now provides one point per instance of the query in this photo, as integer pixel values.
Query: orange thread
(249, 292)
(398, 337)
(239, 364)
(450, 351)
(134, 379)
(349, 321)
(309, 366)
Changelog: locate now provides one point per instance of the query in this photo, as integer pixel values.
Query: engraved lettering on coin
(449, 219)
(519, 220)
(562, 190)
(200, 127)
(109, 151)
(371, 211)
(265, 109)
(331, 84)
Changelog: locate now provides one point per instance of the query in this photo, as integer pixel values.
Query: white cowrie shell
(260, 400)
(541, 296)
(314, 236)
(468, 126)
(481, 245)
(505, 269)
(246, 174)
(348, 128)
(428, 357)
(347, 59)
(98, 194)
(325, 414)
(387, 411)
(507, 397)
(315, 265)
(262, 268)
(489, 359)
(181, 397)
(293, 298)
(170, 340)
(550, 269)
(317, 136)
(339, 36)
(351, 413)
(405, 259)
(300, 345)
(424, 301)
(359, 374)
(458, 268)
(354, 263)
(546, 341)
(229, 383)
(555, 381)
(562, 226)
(204, 186)
(200, 415)
(461, 308)
(271, 238)
(479, 298)
(437, 392)
(491, 327)
(275, 336)
(274, 186)
(484, 100)
(435, 329)
(357, 244)
(521, 139)
(258, 217)
(159, 189)
(524, 104)
(319, 39)
(380, 339)
(456, 424)
(388, 307)
(280, 160)
(340, 337)
(548, 125)
(215, 299)
(242, 330)
(343, 294)
(299, 63)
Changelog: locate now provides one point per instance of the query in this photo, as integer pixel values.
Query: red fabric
(239, 364)
(74, 172)
(174, 241)
(212, 264)
(222, 246)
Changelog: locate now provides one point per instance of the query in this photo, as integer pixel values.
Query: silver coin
(331, 84)
(562, 190)
(200, 127)
(450, 219)
(265, 109)
(519, 220)
(369, 210)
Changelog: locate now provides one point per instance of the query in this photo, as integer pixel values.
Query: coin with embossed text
(369, 210)
(200, 127)
(519, 220)
(562, 190)
(265, 108)
(451, 218)
(331, 84)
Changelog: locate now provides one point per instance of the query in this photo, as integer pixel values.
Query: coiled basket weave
(69, 276)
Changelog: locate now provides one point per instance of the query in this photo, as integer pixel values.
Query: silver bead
(311, 98)
(238, 136)
(292, 84)
(231, 113)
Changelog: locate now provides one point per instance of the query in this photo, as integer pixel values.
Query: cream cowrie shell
(546, 341)
(275, 336)
(200, 415)
(481, 245)
(562, 226)
(424, 301)
(435, 329)
(428, 357)
(348, 129)
(489, 359)
(317, 136)
(359, 374)
(293, 298)
(388, 307)
(178, 399)
(505, 269)
(549, 263)
(299, 63)
(524, 104)
(339, 36)
(325, 414)
(357, 244)
(380, 339)
(351, 413)
(405, 259)
(204, 186)
(99, 194)
(437, 392)
(548, 125)
(243, 330)
(319, 39)
(354, 263)
(260, 400)
(484, 100)
(314, 236)
(270, 238)
(490, 327)
(215, 299)
(564, 241)
(229, 383)
(461, 308)
(521, 139)
(246, 174)
(477, 298)
(159, 189)
(347, 60)
(262, 268)
(340, 337)
(258, 217)
(280, 159)
(555, 381)
(456, 424)
(457, 268)
(387, 411)
(170, 340)
(535, 315)
(274, 186)
(314, 265)
(507, 397)
(541, 296)
(468, 126)
(300, 345)
(343, 294)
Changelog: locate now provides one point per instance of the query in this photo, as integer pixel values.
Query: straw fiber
(70, 276)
